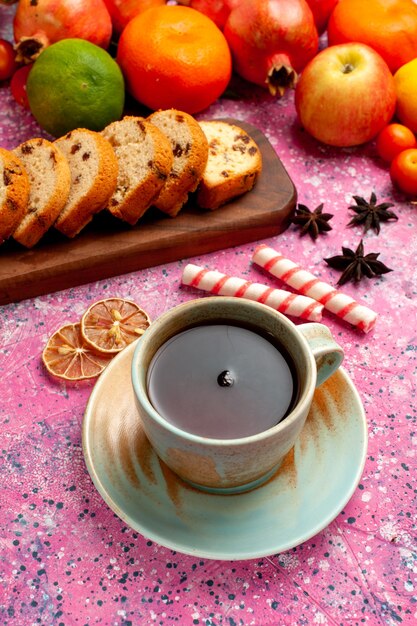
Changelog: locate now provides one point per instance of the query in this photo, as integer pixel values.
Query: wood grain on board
(108, 247)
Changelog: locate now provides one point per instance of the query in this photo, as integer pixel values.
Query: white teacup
(204, 357)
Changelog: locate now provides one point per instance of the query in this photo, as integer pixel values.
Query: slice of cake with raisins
(233, 167)
(145, 159)
(190, 150)
(49, 185)
(93, 165)
(14, 193)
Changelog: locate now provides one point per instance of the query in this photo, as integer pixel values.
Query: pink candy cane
(306, 283)
(221, 284)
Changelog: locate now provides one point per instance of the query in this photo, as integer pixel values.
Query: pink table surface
(66, 559)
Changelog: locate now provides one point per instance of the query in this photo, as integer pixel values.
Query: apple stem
(348, 67)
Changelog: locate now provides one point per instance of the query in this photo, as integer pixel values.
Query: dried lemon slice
(67, 356)
(110, 325)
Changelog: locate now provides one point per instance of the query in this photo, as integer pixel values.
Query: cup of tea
(223, 387)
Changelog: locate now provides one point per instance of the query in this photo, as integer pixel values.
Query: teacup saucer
(314, 483)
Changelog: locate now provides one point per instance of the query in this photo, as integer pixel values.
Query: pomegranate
(122, 11)
(38, 23)
(321, 9)
(216, 10)
(271, 41)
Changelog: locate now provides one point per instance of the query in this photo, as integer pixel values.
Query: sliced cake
(145, 159)
(190, 150)
(233, 166)
(94, 169)
(14, 193)
(49, 185)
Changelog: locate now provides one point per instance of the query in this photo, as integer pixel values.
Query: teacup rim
(139, 387)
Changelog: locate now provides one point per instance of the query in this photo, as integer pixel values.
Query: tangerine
(387, 26)
(403, 171)
(72, 84)
(393, 139)
(405, 80)
(174, 57)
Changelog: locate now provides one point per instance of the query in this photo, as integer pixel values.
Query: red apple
(321, 10)
(346, 95)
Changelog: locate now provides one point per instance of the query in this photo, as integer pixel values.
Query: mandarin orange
(387, 26)
(405, 79)
(174, 57)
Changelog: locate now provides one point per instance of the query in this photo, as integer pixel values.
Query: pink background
(66, 559)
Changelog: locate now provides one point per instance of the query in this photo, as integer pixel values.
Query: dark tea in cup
(222, 380)
(223, 387)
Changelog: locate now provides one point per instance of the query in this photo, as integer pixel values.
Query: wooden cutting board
(108, 247)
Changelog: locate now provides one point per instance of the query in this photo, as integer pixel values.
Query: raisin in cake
(49, 185)
(233, 166)
(145, 159)
(190, 150)
(94, 169)
(14, 193)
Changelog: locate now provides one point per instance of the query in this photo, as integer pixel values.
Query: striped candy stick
(224, 285)
(306, 283)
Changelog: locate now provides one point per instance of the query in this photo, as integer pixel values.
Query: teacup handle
(327, 353)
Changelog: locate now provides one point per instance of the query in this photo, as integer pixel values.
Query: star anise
(356, 265)
(312, 222)
(370, 214)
